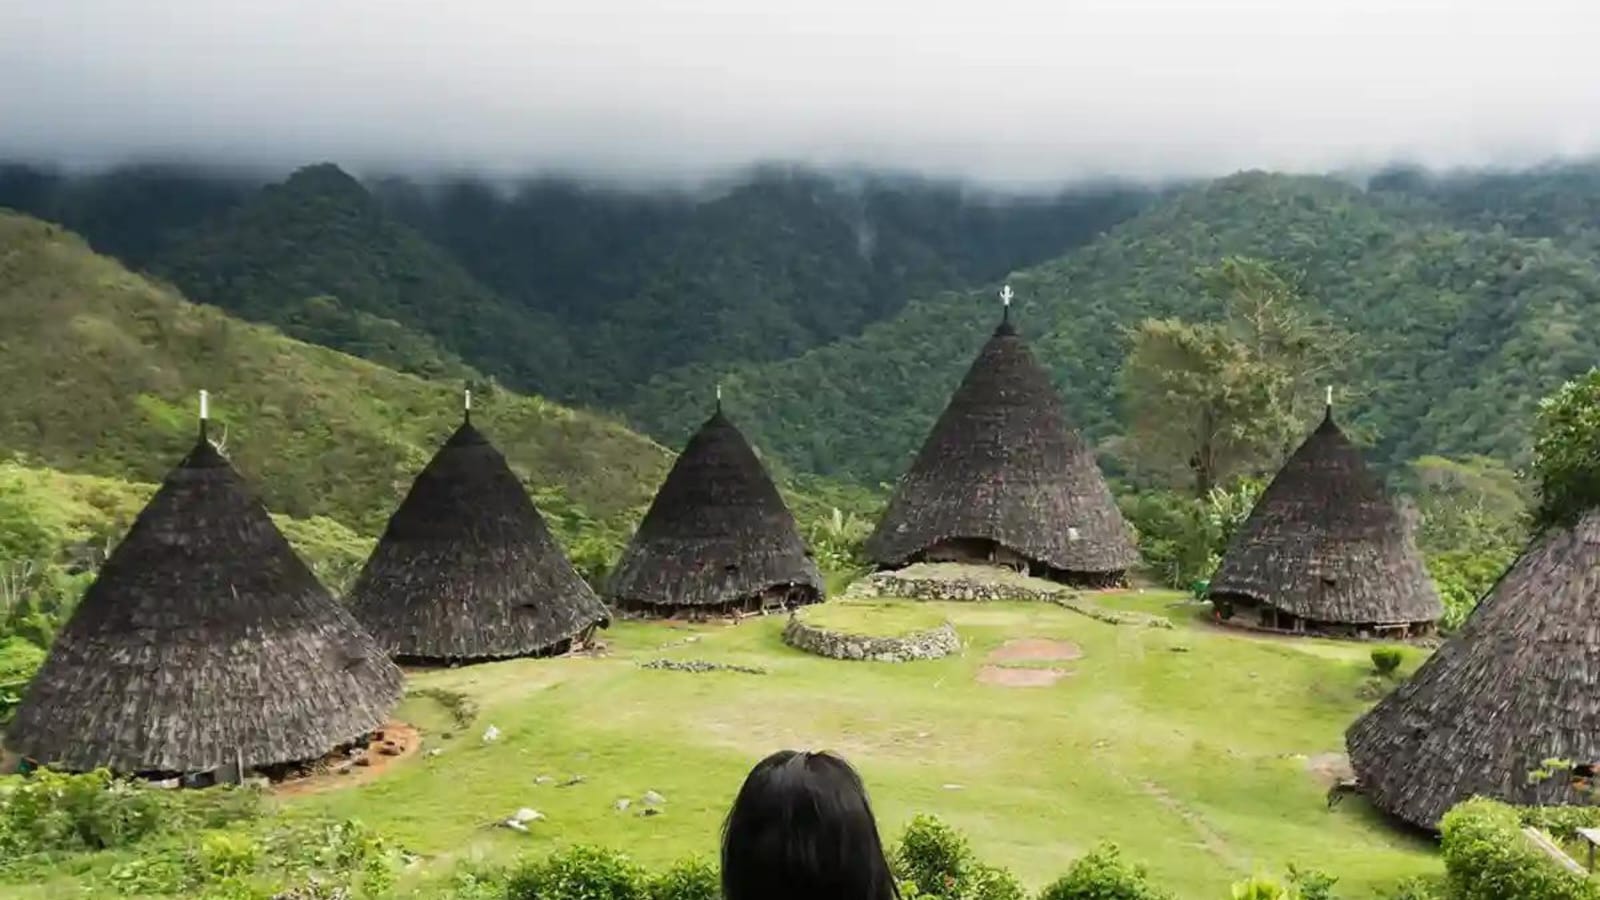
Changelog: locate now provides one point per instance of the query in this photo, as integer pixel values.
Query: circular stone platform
(875, 630)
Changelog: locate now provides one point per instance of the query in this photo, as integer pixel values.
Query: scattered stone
(699, 665)
(166, 784)
(514, 825)
(653, 799)
(623, 804)
(576, 779)
(447, 735)
(434, 752)
(930, 644)
(390, 749)
(491, 734)
(260, 782)
(1179, 649)
(650, 811)
(527, 815)
(543, 779)
(955, 787)
(364, 761)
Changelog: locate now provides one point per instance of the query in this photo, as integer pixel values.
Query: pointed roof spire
(205, 411)
(1006, 295)
(719, 396)
(466, 407)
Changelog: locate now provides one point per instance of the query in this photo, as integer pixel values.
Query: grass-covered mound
(872, 618)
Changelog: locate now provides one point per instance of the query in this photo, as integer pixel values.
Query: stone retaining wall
(909, 586)
(930, 644)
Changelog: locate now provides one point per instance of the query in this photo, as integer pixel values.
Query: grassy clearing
(1194, 759)
(872, 618)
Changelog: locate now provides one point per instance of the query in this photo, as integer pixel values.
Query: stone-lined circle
(928, 644)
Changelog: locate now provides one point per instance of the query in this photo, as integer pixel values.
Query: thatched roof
(1001, 464)
(1326, 543)
(467, 567)
(717, 532)
(1518, 685)
(203, 642)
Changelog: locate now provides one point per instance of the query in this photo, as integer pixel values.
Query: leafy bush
(933, 856)
(1464, 576)
(51, 811)
(1310, 884)
(1387, 659)
(1259, 887)
(1182, 539)
(1565, 465)
(934, 860)
(1487, 857)
(688, 879)
(1102, 874)
(1562, 822)
(581, 873)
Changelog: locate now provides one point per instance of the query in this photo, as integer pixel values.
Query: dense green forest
(1458, 330)
(575, 292)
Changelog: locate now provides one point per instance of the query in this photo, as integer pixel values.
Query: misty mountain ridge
(839, 309)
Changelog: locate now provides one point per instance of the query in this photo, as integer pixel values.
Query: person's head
(801, 829)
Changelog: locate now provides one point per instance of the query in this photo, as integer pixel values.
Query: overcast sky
(1003, 91)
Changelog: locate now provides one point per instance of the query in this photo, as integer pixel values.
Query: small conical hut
(717, 538)
(1003, 479)
(205, 644)
(1518, 685)
(1325, 550)
(467, 568)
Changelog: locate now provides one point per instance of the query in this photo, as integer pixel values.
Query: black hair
(802, 829)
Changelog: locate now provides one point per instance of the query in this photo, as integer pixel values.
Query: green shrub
(1387, 659)
(1259, 887)
(581, 873)
(934, 860)
(1102, 874)
(224, 855)
(687, 879)
(984, 882)
(49, 811)
(1311, 884)
(1487, 857)
(933, 856)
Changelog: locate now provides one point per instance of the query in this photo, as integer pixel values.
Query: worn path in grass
(1186, 746)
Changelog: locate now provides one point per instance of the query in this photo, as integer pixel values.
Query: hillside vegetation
(568, 290)
(1459, 330)
(101, 368)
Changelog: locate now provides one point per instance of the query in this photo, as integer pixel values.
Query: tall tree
(1227, 398)
(1566, 465)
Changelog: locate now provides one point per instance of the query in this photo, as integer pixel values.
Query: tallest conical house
(1003, 478)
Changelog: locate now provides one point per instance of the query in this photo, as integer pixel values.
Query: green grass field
(873, 618)
(1188, 746)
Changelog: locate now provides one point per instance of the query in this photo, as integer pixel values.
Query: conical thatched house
(204, 644)
(1518, 685)
(1325, 550)
(1002, 478)
(717, 538)
(467, 568)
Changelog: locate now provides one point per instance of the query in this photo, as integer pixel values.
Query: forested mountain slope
(575, 291)
(1461, 330)
(764, 268)
(101, 365)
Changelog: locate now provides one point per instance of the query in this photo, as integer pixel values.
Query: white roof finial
(466, 400)
(205, 405)
(1330, 396)
(1006, 294)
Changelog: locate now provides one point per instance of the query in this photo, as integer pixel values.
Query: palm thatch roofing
(1002, 465)
(717, 535)
(1326, 543)
(468, 569)
(205, 642)
(1518, 685)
